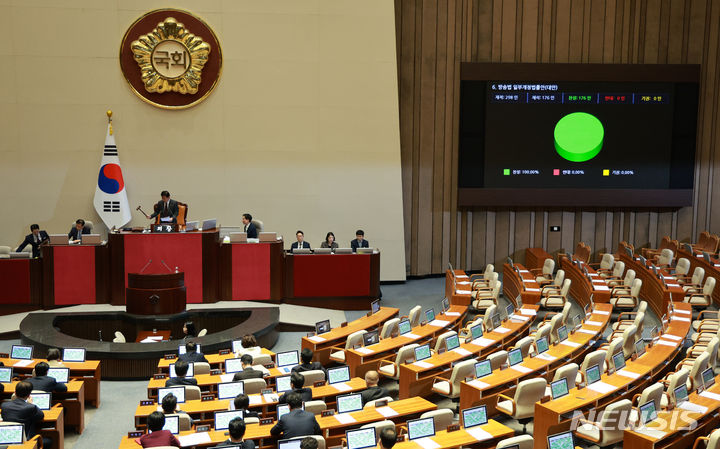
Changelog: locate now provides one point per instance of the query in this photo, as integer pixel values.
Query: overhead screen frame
(571, 197)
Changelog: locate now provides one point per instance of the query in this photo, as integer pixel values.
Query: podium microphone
(146, 265)
(163, 262)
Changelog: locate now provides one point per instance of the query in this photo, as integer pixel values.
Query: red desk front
(194, 253)
(21, 281)
(251, 271)
(74, 274)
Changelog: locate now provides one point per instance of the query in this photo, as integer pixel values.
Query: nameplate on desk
(224, 351)
(202, 429)
(216, 372)
(325, 413)
(170, 356)
(266, 421)
(269, 365)
(135, 434)
(319, 383)
(207, 397)
(381, 403)
(453, 428)
(4, 355)
(159, 376)
(146, 402)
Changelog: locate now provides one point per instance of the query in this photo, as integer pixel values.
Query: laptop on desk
(91, 239)
(238, 237)
(59, 239)
(267, 237)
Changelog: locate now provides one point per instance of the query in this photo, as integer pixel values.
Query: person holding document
(76, 233)
(166, 208)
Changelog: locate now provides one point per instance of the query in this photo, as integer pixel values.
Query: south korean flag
(111, 201)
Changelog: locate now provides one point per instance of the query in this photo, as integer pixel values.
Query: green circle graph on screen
(579, 137)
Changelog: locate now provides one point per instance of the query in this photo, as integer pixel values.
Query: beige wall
(302, 130)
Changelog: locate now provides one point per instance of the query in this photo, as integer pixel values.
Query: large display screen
(577, 134)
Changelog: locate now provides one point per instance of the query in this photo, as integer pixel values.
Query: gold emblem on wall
(171, 58)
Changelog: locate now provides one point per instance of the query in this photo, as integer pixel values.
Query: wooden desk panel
(457, 288)
(653, 291)
(711, 270)
(21, 281)
(581, 288)
(74, 274)
(53, 426)
(524, 285)
(535, 258)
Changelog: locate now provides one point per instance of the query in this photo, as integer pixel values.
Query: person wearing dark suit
(242, 402)
(250, 228)
(34, 239)
(373, 391)
(359, 241)
(191, 355)
(43, 382)
(157, 436)
(300, 243)
(166, 208)
(248, 371)
(22, 410)
(236, 430)
(78, 230)
(297, 422)
(181, 369)
(329, 241)
(297, 382)
(388, 438)
(306, 356)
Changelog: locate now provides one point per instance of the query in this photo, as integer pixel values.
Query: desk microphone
(146, 265)
(163, 262)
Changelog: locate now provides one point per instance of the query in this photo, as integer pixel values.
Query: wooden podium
(155, 294)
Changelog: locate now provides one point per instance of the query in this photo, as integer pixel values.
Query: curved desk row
(653, 291)
(582, 288)
(712, 269)
(523, 284)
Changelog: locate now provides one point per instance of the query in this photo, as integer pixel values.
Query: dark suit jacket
(30, 240)
(173, 209)
(20, 411)
(73, 234)
(296, 423)
(249, 444)
(159, 438)
(251, 230)
(180, 381)
(355, 245)
(248, 373)
(192, 357)
(305, 393)
(47, 384)
(312, 366)
(296, 244)
(373, 393)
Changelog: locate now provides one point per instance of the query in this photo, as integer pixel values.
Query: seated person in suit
(34, 239)
(248, 371)
(306, 356)
(373, 391)
(359, 241)
(169, 406)
(191, 354)
(297, 422)
(166, 208)
(236, 429)
(181, 369)
(329, 241)
(250, 229)
(43, 382)
(157, 436)
(308, 443)
(76, 233)
(53, 358)
(249, 345)
(300, 243)
(388, 438)
(297, 381)
(22, 410)
(242, 402)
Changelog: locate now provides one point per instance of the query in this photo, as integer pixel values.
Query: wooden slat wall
(434, 36)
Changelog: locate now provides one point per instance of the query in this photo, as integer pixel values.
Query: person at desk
(23, 411)
(250, 229)
(189, 331)
(249, 345)
(76, 233)
(169, 407)
(34, 239)
(157, 437)
(43, 382)
(306, 356)
(297, 422)
(53, 358)
(191, 355)
(329, 241)
(388, 438)
(248, 371)
(242, 402)
(359, 241)
(236, 429)
(297, 382)
(373, 391)
(300, 243)
(166, 208)
(181, 369)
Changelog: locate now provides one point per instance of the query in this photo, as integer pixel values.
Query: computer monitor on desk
(267, 237)
(238, 237)
(343, 250)
(58, 239)
(302, 251)
(209, 224)
(191, 226)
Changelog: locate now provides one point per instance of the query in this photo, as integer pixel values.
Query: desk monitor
(586, 308)
(561, 441)
(430, 314)
(365, 250)
(222, 419)
(706, 256)
(681, 394)
(182, 349)
(282, 384)
(592, 374)
(618, 360)
(58, 239)
(629, 252)
(322, 326)
(708, 377)
(21, 352)
(509, 310)
(302, 251)
(404, 327)
(361, 438)
(562, 333)
(42, 400)
(510, 262)
(515, 356)
(452, 342)
(420, 428)
(375, 306)
(542, 345)
(231, 366)
(688, 247)
(640, 347)
(284, 409)
(371, 338)
(495, 320)
(5, 374)
(338, 375)
(322, 251)
(422, 352)
(475, 416)
(643, 260)
(228, 390)
(209, 224)
(476, 331)
(445, 304)
(190, 371)
(237, 346)
(343, 251)
(172, 423)
(349, 403)
(61, 375)
(653, 333)
(267, 237)
(483, 368)
(648, 412)
(178, 392)
(238, 237)
(287, 444)
(91, 239)
(73, 355)
(559, 388)
(191, 226)
(287, 358)
(12, 434)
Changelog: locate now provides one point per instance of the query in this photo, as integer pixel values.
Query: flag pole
(109, 115)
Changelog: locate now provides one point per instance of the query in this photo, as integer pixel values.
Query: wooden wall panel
(435, 36)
